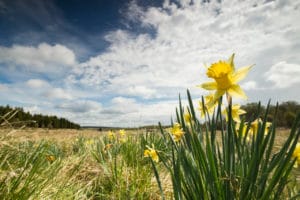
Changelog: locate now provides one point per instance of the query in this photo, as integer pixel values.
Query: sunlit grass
(81, 164)
(83, 168)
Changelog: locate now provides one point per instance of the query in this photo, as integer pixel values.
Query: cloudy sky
(123, 63)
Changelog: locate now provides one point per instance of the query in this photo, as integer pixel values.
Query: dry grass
(58, 135)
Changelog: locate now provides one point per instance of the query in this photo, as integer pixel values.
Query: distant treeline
(286, 112)
(17, 117)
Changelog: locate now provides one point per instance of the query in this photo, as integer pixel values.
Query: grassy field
(75, 164)
(83, 164)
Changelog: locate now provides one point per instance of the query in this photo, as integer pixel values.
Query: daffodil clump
(253, 128)
(226, 79)
(225, 157)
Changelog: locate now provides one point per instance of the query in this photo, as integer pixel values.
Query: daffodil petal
(209, 86)
(240, 74)
(231, 62)
(235, 90)
(241, 112)
(218, 94)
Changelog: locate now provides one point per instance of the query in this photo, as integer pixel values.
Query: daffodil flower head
(152, 153)
(89, 142)
(177, 132)
(236, 111)
(122, 132)
(107, 147)
(50, 158)
(111, 135)
(225, 78)
(238, 126)
(296, 154)
(255, 125)
(187, 118)
(209, 105)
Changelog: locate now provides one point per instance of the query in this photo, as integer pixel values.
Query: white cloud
(37, 83)
(284, 74)
(3, 87)
(249, 85)
(43, 58)
(57, 93)
(142, 91)
(187, 37)
(80, 106)
(124, 111)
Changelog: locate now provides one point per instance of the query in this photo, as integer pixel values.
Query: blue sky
(123, 63)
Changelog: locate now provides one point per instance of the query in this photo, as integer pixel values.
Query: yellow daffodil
(209, 105)
(50, 158)
(225, 79)
(152, 153)
(122, 137)
(255, 124)
(122, 132)
(236, 111)
(107, 147)
(187, 118)
(253, 129)
(89, 142)
(177, 132)
(244, 129)
(296, 154)
(111, 135)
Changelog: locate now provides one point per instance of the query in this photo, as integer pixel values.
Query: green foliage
(27, 169)
(234, 167)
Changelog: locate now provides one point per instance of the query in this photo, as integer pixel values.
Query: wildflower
(296, 154)
(122, 138)
(236, 111)
(177, 132)
(107, 147)
(255, 124)
(122, 132)
(226, 79)
(111, 135)
(187, 118)
(152, 153)
(238, 127)
(50, 158)
(209, 105)
(89, 142)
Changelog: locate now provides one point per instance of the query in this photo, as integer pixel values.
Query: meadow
(75, 164)
(81, 164)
